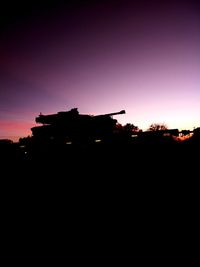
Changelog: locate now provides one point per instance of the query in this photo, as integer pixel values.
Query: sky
(100, 57)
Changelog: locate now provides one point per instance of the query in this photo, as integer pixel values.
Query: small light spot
(68, 143)
(134, 135)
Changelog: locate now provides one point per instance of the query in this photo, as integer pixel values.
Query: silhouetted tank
(72, 126)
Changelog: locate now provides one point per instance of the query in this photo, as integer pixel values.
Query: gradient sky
(101, 57)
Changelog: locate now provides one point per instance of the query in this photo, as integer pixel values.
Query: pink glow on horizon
(15, 128)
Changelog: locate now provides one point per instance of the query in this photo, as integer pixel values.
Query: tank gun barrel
(114, 113)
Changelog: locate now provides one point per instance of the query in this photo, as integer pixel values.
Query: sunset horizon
(25, 128)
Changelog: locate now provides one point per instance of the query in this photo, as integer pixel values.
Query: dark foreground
(102, 159)
(101, 194)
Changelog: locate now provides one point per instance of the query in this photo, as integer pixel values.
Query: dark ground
(102, 196)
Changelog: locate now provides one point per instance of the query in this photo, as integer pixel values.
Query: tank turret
(59, 117)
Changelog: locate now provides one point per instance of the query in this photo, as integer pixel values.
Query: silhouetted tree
(129, 127)
(118, 126)
(157, 127)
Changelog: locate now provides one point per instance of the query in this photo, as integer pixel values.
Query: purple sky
(101, 57)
